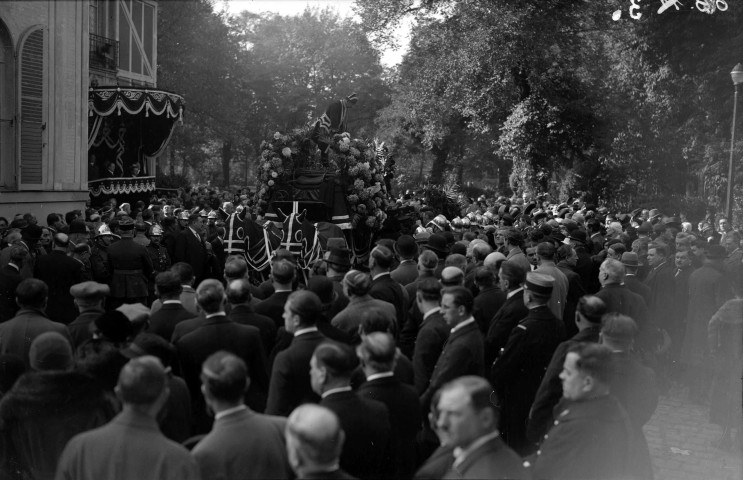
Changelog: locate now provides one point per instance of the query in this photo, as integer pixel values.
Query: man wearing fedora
(406, 249)
(338, 264)
(631, 262)
(437, 244)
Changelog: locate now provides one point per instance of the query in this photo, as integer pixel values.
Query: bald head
(480, 251)
(314, 438)
(452, 276)
(611, 272)
(238, 292)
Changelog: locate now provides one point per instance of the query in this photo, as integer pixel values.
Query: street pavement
(680, 440)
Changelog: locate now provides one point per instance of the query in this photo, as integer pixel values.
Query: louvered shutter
(32, 108)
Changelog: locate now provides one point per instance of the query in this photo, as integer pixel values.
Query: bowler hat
(406, 246)
(90, 290)
(78, 226)
(437, 243)
(630, 259)
(31, 233)
(150, 344)
(578, 236)
(645, 228)
(673, 222)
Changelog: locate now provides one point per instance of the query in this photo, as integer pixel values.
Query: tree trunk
(440, 155)
(226, 158)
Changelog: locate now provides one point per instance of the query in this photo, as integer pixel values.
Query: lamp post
(737, 76)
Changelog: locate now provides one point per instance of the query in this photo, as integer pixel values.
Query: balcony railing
(104, 53)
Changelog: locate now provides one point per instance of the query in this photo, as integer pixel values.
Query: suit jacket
(487, 303)
(662, 290)
(504, 321)
(10, 277)
(60, 272)
(428, 347)
(244, 445)
(334, 475)
(273, 307)
(79, 329)
(366, 424)
(191, 250)
(163, 321)
(385, 288)
(290, 376)
(139, 448)
(187, 298)
(517, 256)
(462, 355)
(246, 315)
(550, 390)
(636, 286)
(405, 420)
(405, 273)
(492, 460)
(437, 465)
(590, 439)
(220, 333)
(349, 319)
(131, 268)
(17, 334)
(516, 375)
(618, 298)
(575, 291)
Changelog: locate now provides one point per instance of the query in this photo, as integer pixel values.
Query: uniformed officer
(517, 373)
(159, 256)
(131, 267)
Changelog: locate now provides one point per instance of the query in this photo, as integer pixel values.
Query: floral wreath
(355, 160)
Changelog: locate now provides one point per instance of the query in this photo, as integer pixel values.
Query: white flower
(287, 152)
(270, 183)
(346, 140)
(274, 174)
(276, 136)
(266, 165)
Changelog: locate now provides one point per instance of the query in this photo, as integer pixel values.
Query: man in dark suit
(377, 355)
(365, 422)
(290, 375)
(314, 441)
(10, 278)
(631, 263)
(427, 262)
(90, 298)
(463, 352)
(432, 335)
(383, 286)
(217, 332)
(131, 267)
(512, 277)
(243, 312)
(282, 275)
(567, 259)
(407, 250)
(489, 300)
(588, 319)
(242, 444)
(468, 417)
(60, 272)
(618, 298)
(517, 373)
(662, 289)
(189, 247)
(17, 333)
(168, 288)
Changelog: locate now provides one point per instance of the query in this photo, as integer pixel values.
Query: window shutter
(32, 108)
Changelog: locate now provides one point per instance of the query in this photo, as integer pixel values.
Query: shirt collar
(379, 375)
(336, 390)
(431, 312)
(215, 314)
(168, 302)
(302, 331)
(463, 324)
(16, 267)
(380, 275)
(511, 294)
(229, 411)
(461, 454)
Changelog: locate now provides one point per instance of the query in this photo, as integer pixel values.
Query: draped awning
(128, 127)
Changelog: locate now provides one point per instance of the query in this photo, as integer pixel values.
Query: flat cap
(358, 280)
(630, 259)
(451, 276)
(90, 290)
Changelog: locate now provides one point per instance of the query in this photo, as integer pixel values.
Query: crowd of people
(518, 340)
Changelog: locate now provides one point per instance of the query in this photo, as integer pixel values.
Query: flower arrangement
(354, 159)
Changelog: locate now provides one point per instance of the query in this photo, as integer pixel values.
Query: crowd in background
(519, 339)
